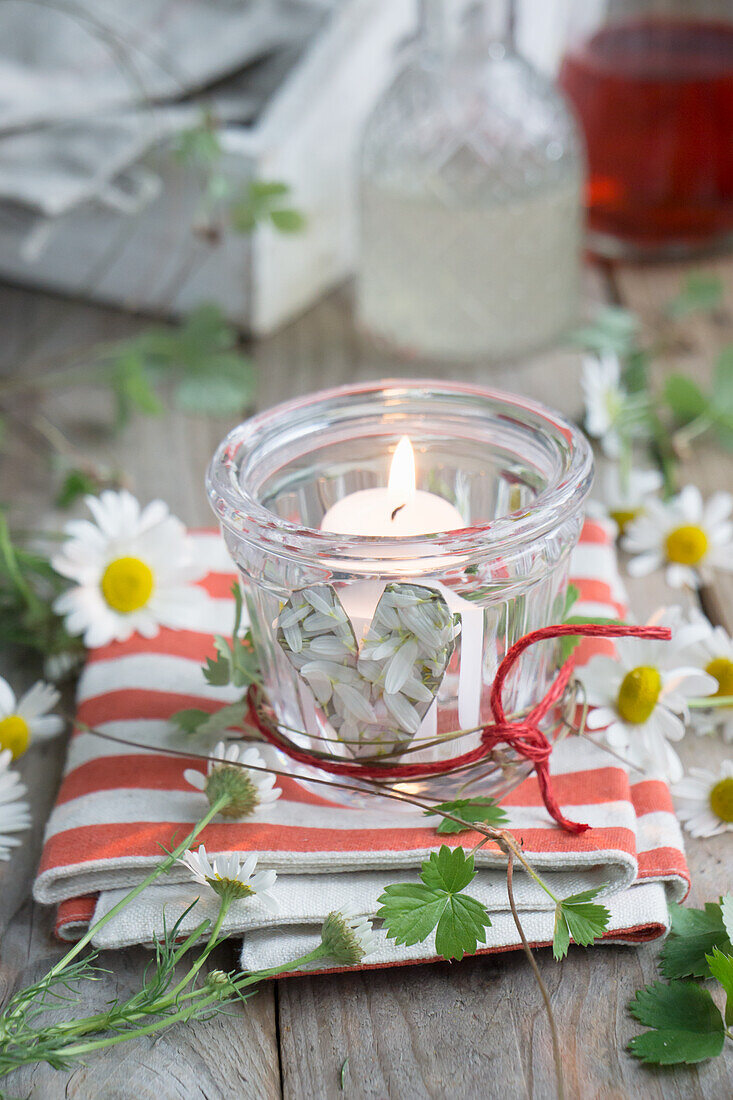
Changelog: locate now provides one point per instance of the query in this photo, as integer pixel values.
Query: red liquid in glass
(655, 101)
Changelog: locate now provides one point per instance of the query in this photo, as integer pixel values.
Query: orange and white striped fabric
(117, 805)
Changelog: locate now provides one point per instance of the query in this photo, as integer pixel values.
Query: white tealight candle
(398, 509)
(402, 509)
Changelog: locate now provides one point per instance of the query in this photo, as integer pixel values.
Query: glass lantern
(330, 611)
(471, 177)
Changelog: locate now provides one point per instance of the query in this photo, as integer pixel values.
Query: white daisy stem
(212, 943)
(710, 701)
(154, 874)
(320, 952)
(684, 436)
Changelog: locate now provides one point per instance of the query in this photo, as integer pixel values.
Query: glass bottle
(471, 180)
(652, 84)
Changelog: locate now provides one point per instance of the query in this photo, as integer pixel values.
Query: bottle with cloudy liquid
(470, 203)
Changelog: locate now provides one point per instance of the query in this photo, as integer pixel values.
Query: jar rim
(240, 513)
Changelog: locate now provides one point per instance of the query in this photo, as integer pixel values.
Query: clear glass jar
(470, 197)
(652, 84)
(517, 473)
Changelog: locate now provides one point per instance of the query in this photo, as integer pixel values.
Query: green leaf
(685, 398)
(268, 189)
(217, 672)
(721, 968)
(687, 1024)
(242, 216)
(76, 484)
(613, 329)
(202, 724)
(190, 720)
(572, 595)
(484, 810)
(693, 935)
(579, 917)
(701, 292)
(723, 382)
(288, 221)
(411, 911)
(726, 913)
(570, 641)
(220, 396)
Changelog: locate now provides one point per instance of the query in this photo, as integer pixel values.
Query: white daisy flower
(610, 412)
(230, 877)
(247, 789)
(705, 800)
(348, 936)
(15, 814)
(715, 654)
(27, 719)
(640, 698)
(625, 497)
(685, 535)
(132, 570)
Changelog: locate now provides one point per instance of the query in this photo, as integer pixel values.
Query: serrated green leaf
(687, 1024)
(470, 810)
(217, 672)
(726, 914)
(76, 484)
(701, 291)
(693, 935)
(579, 917)
(685, 398)
(190, 719)
(721, 968)
(448, 869)
(411, 911)
(288, 221)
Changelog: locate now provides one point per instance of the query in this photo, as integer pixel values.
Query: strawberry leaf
(687, 1025)
(470, 810)
(411, 911)
(580, 918)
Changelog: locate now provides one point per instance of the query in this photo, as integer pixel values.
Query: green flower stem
(696, 427)
(319, 952)
(710, 702)
(213, 941)
(517, 852)
(162, 868)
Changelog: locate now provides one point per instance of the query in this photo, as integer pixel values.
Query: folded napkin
(117, 805)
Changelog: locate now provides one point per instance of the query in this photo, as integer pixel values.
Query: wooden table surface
(464, 1030)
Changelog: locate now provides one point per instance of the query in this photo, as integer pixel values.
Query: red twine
(524, 736)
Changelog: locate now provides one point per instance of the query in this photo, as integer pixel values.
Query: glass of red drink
(652, 85)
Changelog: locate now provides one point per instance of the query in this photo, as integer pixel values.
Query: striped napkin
(117, 805)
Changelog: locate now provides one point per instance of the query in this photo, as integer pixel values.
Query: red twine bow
(524, 736)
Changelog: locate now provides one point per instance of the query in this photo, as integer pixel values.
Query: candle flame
(401, 483)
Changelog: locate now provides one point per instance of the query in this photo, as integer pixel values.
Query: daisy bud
(348, 938)
(217, 979)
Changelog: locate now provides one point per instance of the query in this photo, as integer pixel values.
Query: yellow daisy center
(638, 694)
(686, 545)
(721, 669)
(721, 799)
(14, 734)
(127, 584)
(623, 517)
